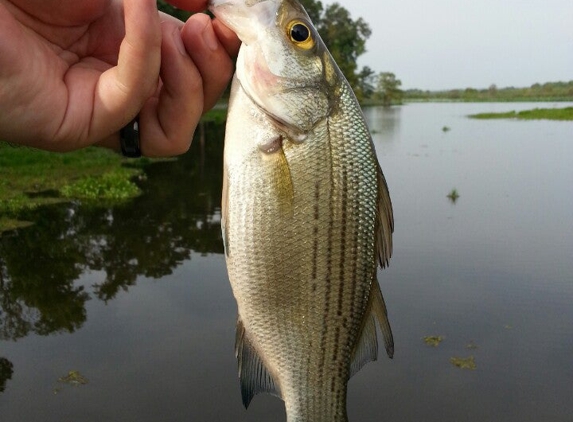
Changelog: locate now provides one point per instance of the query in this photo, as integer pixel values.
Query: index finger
(122, 90)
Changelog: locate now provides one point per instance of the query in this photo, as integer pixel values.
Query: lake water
(136, 298)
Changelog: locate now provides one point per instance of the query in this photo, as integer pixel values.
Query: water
(136, 298)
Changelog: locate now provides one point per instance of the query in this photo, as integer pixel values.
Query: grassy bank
(535, 114)
(30, 178)
(549, 91)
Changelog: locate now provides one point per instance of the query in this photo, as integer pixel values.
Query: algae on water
(433, 341)
(464, 363)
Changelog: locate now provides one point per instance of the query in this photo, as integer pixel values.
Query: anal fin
(366, 349)
(253, 375)
(380, 312)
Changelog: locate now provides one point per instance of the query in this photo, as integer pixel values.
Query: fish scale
(306, 217)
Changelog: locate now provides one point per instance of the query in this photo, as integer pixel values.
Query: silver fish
(306, 215)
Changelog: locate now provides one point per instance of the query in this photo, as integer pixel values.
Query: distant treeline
(550, 91)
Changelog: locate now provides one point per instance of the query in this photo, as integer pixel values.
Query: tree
(172, 10)
(314, 9)
(388, 89)
(366, 82)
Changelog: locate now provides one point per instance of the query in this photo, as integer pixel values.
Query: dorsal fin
(385, 222)
(253, 375)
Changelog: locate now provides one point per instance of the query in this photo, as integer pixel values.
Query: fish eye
(300, 34)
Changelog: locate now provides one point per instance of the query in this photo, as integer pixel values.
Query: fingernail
(179, 42)
(210, 38)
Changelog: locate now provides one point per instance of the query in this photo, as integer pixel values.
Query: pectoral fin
(280, 178)
(253, 375)
(224, 210)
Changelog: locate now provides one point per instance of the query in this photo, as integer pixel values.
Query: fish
(306, 215)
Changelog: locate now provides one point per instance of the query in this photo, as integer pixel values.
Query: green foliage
(215, 116)
(550, 91)
(367, 81)
(30, 177)
(388, 89)
(344, 37)
(535, 114)
(314, 8)
(115, 185)
(453, 196)
(172, 10)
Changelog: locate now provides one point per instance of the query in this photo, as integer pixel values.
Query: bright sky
(446, 44)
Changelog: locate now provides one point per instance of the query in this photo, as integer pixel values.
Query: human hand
(73, 73)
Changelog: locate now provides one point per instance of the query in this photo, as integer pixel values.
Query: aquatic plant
(453, 195)
(464, 363)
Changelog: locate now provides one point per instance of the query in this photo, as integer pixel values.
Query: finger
(122, 90)
(209, 55)
(227, 37)
(167, 121)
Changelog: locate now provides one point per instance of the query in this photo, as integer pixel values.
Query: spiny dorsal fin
(385, 223)
(253, 375)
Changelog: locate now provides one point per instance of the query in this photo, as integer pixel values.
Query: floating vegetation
(453, 196)
(446, 129)
(535, 114)
(433, 341)
(115, 185)
(464, 363)
(74, 378)
(471, 346)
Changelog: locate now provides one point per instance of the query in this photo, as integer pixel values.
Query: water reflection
(384, 122)
(6, 370)
(150, 236)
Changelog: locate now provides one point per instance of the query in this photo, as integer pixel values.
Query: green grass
(30, 178)
(215, 115)
(535, 114)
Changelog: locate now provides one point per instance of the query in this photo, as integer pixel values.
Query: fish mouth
(246, 18)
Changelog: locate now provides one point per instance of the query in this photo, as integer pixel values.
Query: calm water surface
(136, 297)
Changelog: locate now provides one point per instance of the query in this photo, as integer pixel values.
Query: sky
(456, 44)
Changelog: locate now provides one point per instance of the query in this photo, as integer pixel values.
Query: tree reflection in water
(179, 212)
(6, 370)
